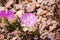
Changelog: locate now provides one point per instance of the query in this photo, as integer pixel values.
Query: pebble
(30, 7)
(19, 13)
(9, 3)
(39, 1)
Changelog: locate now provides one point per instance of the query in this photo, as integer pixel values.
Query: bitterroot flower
(9, 15)
(29, 19)
(3, 14)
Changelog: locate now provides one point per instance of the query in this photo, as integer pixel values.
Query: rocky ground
(47, 27)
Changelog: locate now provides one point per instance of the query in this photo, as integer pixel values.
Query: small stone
(51, 2)
(39, 11)
(34, 1)
(49, 14)
(32, 29)
(43, 19)
(9, 3)
(47, 38)
(52, 27)
(19, 13)
(1, 37)
(14, 38)
(25, 29)
(37, 5)
(17, 6)
(49, 21)
(57, 35)
(57, 1)
(30, 7)
(2, 8)
(39, 1)
(45, 2)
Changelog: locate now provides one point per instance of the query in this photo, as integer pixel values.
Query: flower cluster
(29, 19)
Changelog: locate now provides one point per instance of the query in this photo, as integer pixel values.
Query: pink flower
(29, 19)
(3, 14)
(9, 15)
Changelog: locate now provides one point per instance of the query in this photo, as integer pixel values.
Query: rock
(52, 27)
(30, 7)
(57, 35)
(30, 29)
(25, 29)
(9, 3)
(34, 1)
(19, 13)
(1, 37)
(39, 1)
(17, 6)
(2, 8)
(39, 11)
(48, 2)
(45, 2)
(37, 5)
(51, 2)
(28, 0)
(49, 21)
(57, 1)
(51, 35)
(49, 14)
(14, 38)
